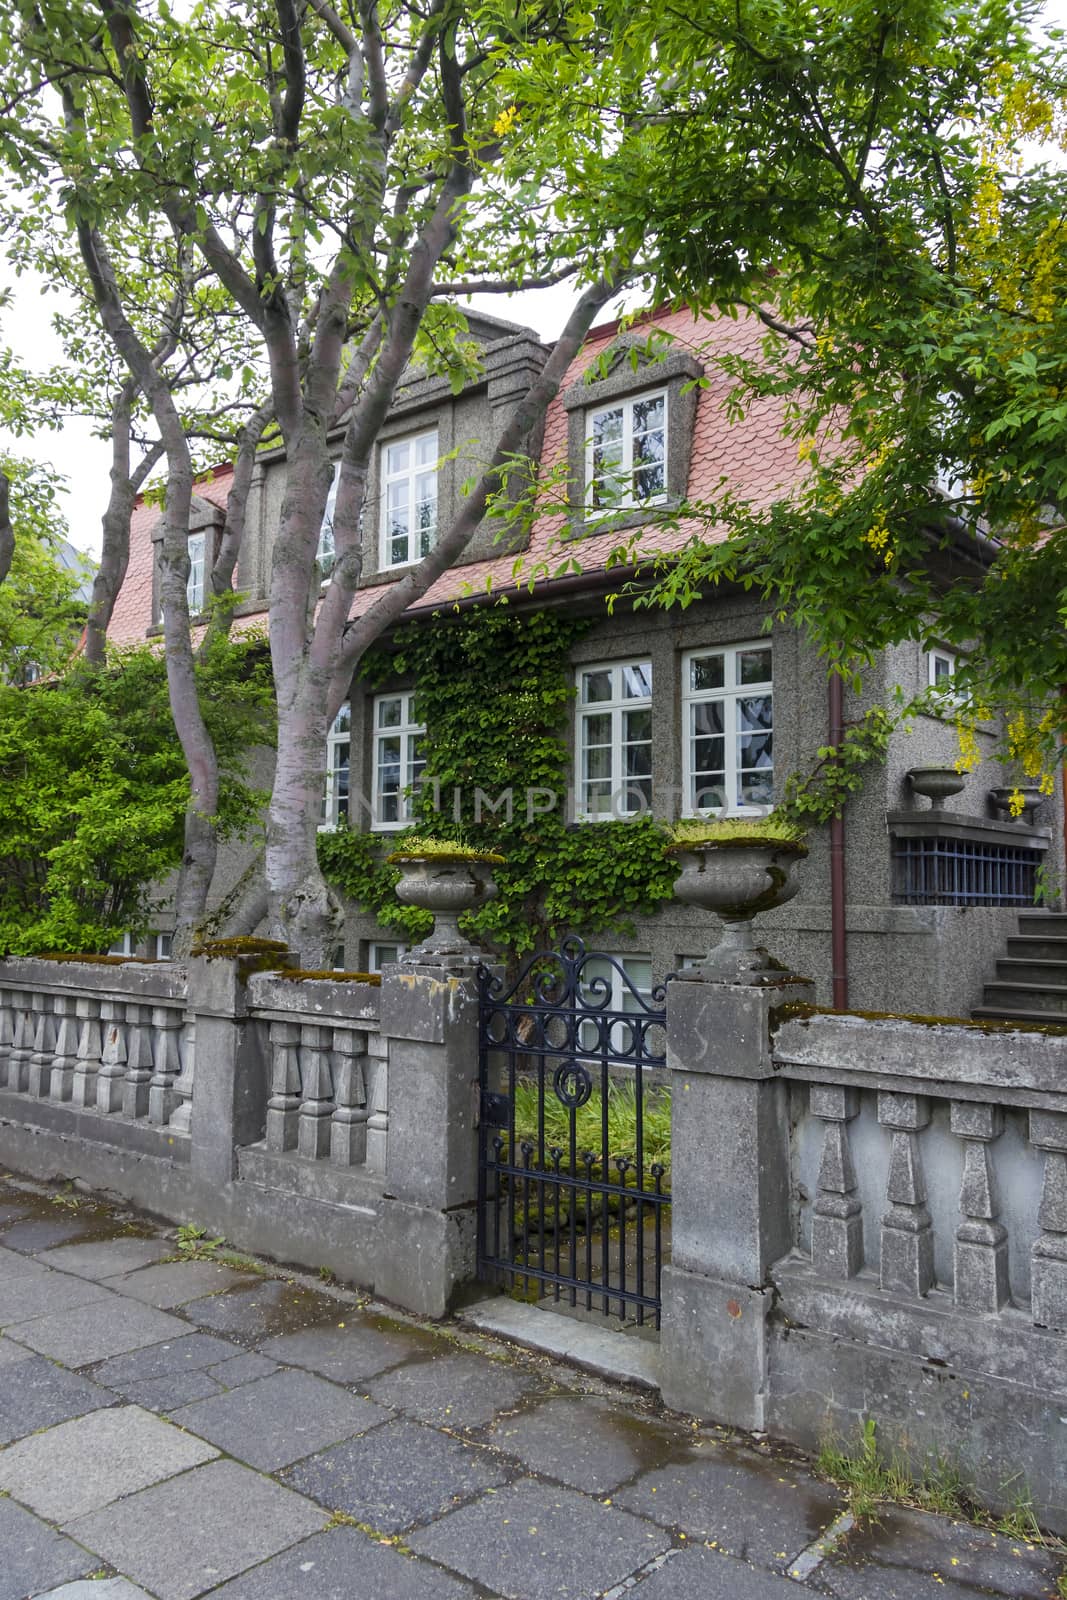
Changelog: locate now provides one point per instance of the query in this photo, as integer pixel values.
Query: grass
(870, 1478)
(697, 831)
(622, 1122)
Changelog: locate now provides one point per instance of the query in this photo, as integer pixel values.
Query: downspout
(838, 937)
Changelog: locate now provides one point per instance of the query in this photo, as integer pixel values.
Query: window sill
(584, 524)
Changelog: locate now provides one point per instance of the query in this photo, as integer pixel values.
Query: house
(671, 709)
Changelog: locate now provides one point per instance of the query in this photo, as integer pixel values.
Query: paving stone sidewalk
(177, 1428)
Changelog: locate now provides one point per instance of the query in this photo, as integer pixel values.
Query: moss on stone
(99, 961)
(243, 946)
(299, 975)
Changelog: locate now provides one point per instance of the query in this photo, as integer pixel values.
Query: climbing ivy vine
(494, 691)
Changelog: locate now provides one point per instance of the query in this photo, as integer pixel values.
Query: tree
(917, 349)
(41, 613)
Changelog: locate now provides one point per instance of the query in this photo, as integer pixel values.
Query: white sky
(26, 326)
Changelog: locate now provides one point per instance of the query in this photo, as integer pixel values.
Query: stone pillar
(140, 1063)
(283, 1107)
(44, 1040)
(1048, 1132)
(316, 1102)
(61, 1085)
(112, 1074)
(981, 1250)
(21, 1041)
(162, 1094)
(348, 1132)
(907, 1230)
(89, 1049)
(429, 1022)
(730, 1210)
(232, 1071)
(837, 1216)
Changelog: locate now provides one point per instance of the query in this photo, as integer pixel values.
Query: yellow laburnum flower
(506, 121)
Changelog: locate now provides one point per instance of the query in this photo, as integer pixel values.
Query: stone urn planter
(938, 784)
(1032, 798)
(447, 883)
(737, 878)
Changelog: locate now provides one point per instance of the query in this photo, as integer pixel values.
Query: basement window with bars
(962, 872)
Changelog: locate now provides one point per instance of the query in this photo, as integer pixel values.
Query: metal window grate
(961, 872)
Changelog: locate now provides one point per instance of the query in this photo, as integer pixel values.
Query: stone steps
(1030, 985)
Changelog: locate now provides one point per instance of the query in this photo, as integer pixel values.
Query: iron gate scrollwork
(570, 1205)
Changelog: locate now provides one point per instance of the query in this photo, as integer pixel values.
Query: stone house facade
(672, 709)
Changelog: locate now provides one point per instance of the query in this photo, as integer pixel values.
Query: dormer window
(409, 499)
(325, 552)
(194, 587)
(627, 453)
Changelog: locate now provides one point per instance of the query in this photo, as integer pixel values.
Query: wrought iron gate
(570, 1207)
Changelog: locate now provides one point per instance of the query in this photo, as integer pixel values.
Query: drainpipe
(838, 938)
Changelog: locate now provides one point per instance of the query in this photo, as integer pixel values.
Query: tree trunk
(305, 911)
(7, 532)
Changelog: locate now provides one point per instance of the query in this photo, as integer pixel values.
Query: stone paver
(274, 1421)
(90, 1333)
(174, 1282)
(398, 1475)
(14, 1265)
(24, 1299)
(905, 1549)
(41, 1233)
(703, 1574)
(190, 1352)
(586, 1443)
(753, 1506)
(10, 1353)
(98, 1589)
(241, 1369)
(35, 1394)
(359, 1350)
(344, 1564)
(183, 1537)
(33, 1556)
(266, 1307)
(106, 1258)
(533, 1542)
(84, 1464)
(453, 1389)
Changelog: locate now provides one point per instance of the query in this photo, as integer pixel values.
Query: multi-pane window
(164, 944)
(398, 758)
(602, 978)
(122, 947)
(615, 739)
(194, 587)
(729, 731)
(409, 499)
(941, 669)
(627, 460)
(325, 551)
(338, 759)
(381, 955)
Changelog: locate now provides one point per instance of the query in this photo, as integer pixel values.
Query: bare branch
(503, 285)
(225, 564)
(374, 58)
(417, 68)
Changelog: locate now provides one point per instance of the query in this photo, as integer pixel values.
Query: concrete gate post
(730, 1211)
(429, 1020)
(232, 1064)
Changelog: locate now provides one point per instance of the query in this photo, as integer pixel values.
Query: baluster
(1048, 1132)
(111, 1078)
(837, 1221)
(7, 1032)
(87, 1065)
(162, 1097)
(316, 1107)
(65, 1057)
(21, 1041)
(43, 1052)
(348, 1132)
(907, 1232)
(377, 1078)
(283, 1107)
(981, 1250)
(139, 1063)
(181, 1120)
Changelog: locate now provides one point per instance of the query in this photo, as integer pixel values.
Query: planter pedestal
(448, 888)
(737, 882)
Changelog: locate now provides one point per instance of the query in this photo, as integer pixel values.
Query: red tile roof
(752, 455)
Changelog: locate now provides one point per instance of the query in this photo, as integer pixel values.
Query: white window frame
(122, 947)
(629, 501)
(413, 471)
(338, 739)
(616, 708)
(164, 945)
(932, 658)
(325, 552)
(376, 946)
(409, 732)
(196, 583)
(731, 692)
(621, 999)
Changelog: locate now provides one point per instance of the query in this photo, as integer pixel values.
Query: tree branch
(7, 532)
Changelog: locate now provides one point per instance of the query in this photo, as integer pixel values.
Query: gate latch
(495, 1109)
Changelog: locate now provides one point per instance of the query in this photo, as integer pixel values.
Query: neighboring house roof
(752, 455)
(83, 566)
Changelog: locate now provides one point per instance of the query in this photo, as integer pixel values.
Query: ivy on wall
(494, 691)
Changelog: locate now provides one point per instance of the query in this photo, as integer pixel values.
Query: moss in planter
(735, 833)
(300, 974)
(420, 848)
